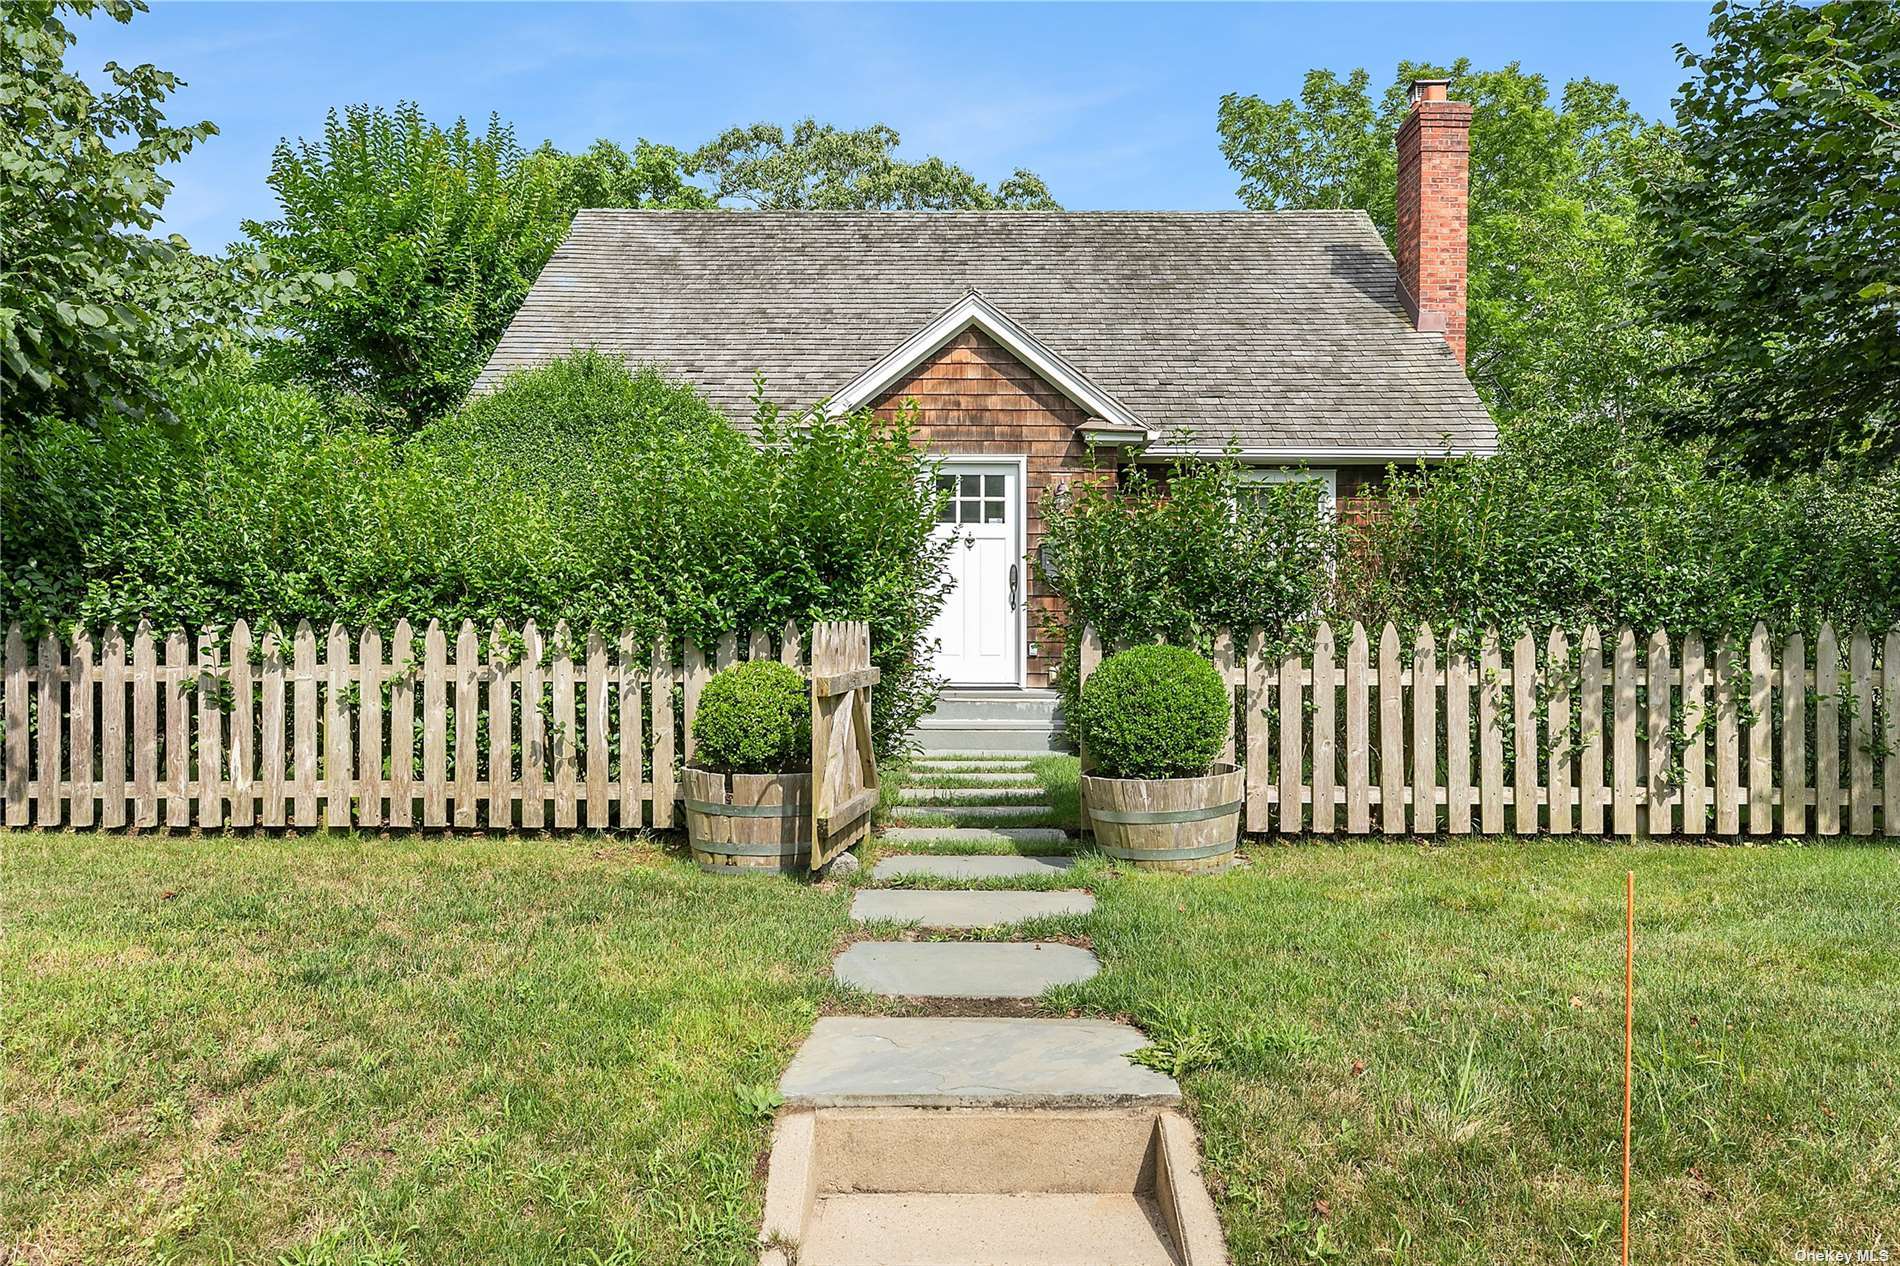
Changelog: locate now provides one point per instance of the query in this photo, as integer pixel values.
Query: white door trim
(1018, 466)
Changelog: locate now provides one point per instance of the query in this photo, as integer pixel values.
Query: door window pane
(992, 512)
(992, 485)
(970, 486)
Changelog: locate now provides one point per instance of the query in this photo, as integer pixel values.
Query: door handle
(1014, 578)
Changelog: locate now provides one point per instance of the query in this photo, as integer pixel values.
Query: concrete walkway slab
(962, 969)
(935, 909)
(965, 796)
(967, 812)
(968, 867)
(1010, 836)
(939, 1062)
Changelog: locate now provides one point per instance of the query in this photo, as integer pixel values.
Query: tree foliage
(96, 316)
(1558, 248)
(1779, 236)
(824, 168)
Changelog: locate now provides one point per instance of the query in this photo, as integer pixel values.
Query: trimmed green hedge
(1155, 712)
(754, 718)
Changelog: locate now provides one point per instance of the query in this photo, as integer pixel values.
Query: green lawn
(338, 1049)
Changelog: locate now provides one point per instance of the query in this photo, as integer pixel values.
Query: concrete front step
(923, 866)
(979, 779)
(957, 1228)
(968, 797)
(962, 969)
(995, 836)
(936, 909)
(996, 706)
(943, 738)
(965, 814)
(937, 1062)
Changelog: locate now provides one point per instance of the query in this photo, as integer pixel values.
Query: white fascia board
(974, 310)
(1315, 456)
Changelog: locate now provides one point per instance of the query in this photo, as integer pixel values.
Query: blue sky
(1113, 105)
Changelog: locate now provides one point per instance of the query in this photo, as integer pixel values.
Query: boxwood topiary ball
(753, 718)
(1155, 712)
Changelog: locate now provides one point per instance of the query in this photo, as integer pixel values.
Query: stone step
(930, 866)
(1022, 707)
(960, 737)
(978, 754)
(965, 909)
(942, 1062)
(962, 969)
(965, 814)
(979, 779)
(942, 1228)
(995, 836)
(969, 797)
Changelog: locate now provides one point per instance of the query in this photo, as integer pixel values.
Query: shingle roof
(1280, 330)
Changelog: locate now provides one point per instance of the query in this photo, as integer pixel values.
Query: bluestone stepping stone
(1005, 835)
(981, 779)
(962, 969)
(975, 765)
(968, 811)
(963, 796)
(964, 909)
(851, 1061)
(971, 867)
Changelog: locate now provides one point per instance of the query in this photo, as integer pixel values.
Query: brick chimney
(1434, 181)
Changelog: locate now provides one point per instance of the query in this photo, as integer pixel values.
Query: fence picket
(435, 725)
(468, 688)
(19, 807)
(1292, 756)
(788, 647)
(1325, 716)
(243, 786)
(1591, 800)
(1258, 704)
(402, 725)
(1557, 731)
(758, 645)
(51, 671)
(1458, 797)
(1795, 795)
(80, 711)
(145, 727)
(369, 729)
(696, 675)
(1663, 792)
(565, 735)
(1391, 734)
(1524, 762)
(1761, 761)
(1089, 658)
(112, 729)
(1623, 736)
(1695, 721)
(1425, 733)
(662, 697)
(303, 744)
(631, 793)
(1860, 739)
(1358, 736)
(177, 681)
(1490, 735)
(596, 681)
(534, 743)
(271, 747)
(210, 737)
(1728, 769)
(1827, 733)
(1890, 762)
(339, 755)
(501, 731)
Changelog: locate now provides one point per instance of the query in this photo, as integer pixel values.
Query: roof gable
(973, 311)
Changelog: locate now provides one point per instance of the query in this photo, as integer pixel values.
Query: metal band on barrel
(1165, 854)
(796, 852)
(747, 810)
(1141, 817)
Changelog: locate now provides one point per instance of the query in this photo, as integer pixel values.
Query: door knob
(1013, 580)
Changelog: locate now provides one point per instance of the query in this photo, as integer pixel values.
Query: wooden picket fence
(1663, 736)
(515, 729)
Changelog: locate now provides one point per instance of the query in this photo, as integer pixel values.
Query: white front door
(979, 630)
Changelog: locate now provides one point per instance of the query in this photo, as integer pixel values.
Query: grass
(1414, 1054)
(334, 1049)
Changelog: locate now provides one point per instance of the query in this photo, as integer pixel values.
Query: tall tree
(825, 168)
(96, 314)
(1780, 234)
(1557, 245)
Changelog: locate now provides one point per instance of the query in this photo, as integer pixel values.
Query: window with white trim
(1327, 479)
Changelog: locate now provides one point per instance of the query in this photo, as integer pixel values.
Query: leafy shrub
(577, 491)
(1183, 556)
(754, 718)
(1155, 712)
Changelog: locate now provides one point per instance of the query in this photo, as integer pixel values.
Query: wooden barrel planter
(1180, 824)
(749, 823)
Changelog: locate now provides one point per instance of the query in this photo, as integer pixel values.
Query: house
(1028, 339)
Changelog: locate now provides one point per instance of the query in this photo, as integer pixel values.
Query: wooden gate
(844, 768)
